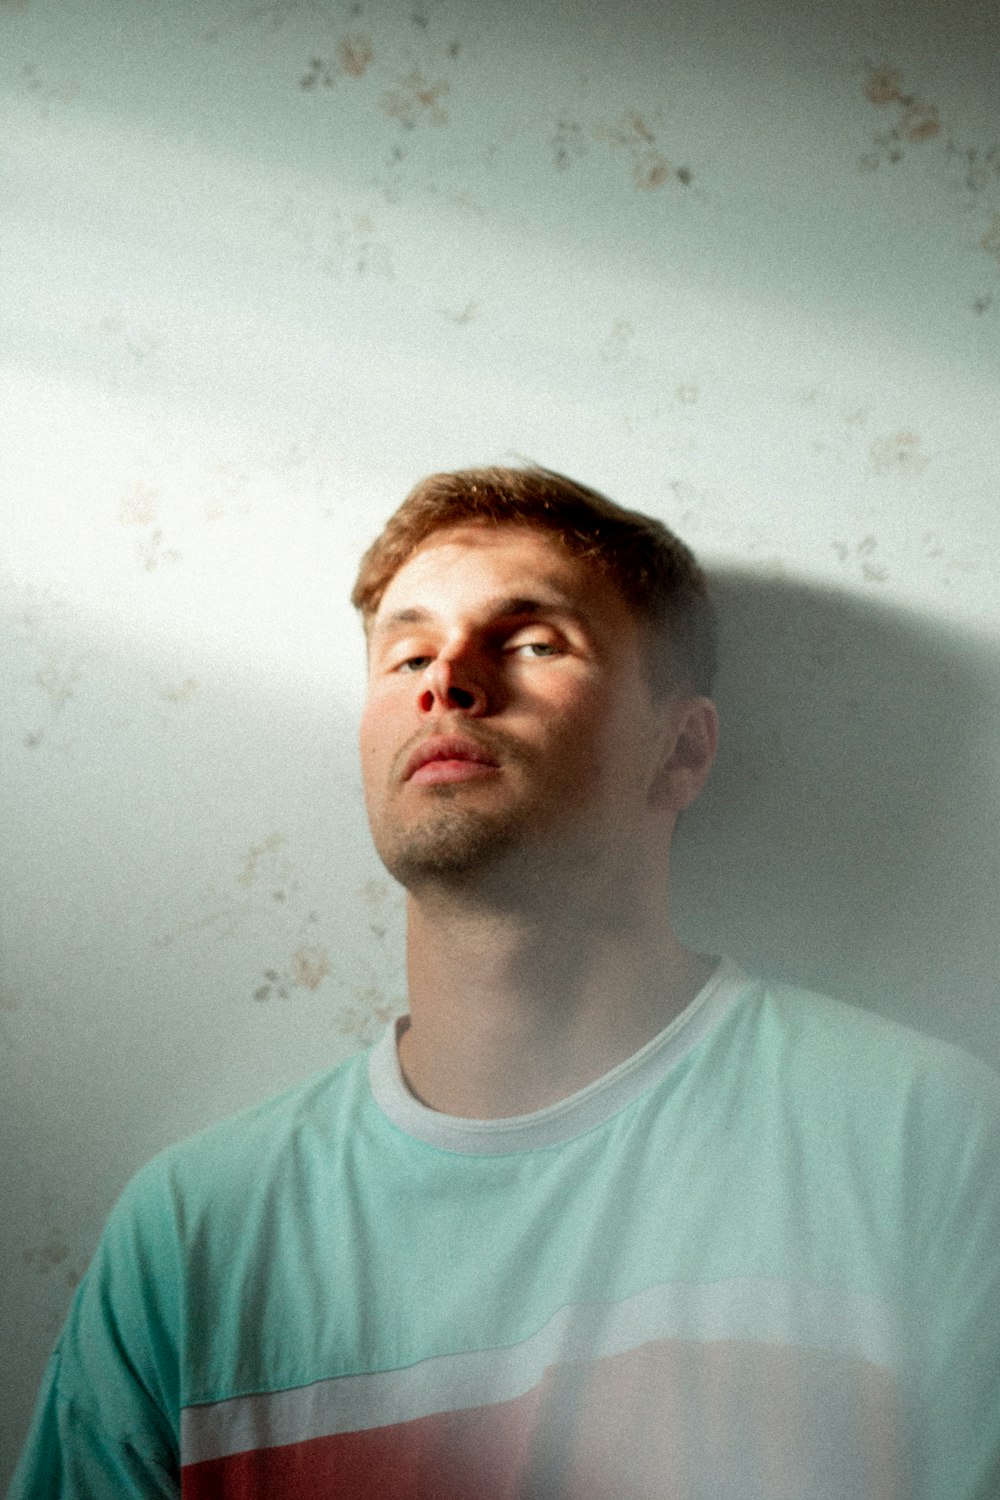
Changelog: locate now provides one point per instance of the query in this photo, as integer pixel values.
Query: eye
(518, 646)
(538, 648)
(412, 664)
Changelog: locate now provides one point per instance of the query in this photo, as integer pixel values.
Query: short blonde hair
(651, 567)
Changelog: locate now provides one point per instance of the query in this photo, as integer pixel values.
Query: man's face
(508, 714)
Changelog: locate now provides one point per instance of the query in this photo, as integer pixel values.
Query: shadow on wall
(849, 838)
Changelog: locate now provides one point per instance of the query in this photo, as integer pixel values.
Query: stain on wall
(180, 692)
(264, 879)
(141, 342)
(52, 1258)
(413, 99)
(630, 135)
(619, 342)
(355, 54)
(972, 170)
(898, 453)
(37, 85)
(140, 507)
(338, 244)
(306, 969)
(862, 558)
(57, 661)
(366, 1016)
(990, 241)
(353, 57)
(460, 316)
(912, 120)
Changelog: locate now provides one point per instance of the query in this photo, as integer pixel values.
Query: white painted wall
(263, 263)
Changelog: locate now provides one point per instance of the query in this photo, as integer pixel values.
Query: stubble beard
(450, 843)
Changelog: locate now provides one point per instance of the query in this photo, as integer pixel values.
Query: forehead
(478, 569)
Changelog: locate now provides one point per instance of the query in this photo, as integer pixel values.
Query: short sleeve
(105, 1423)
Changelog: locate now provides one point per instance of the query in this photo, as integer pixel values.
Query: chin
(452, 846)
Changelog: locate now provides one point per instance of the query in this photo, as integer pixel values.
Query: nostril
(461, 697)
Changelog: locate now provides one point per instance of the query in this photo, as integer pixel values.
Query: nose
(449, 684)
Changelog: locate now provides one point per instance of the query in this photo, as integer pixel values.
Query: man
(600, 1217)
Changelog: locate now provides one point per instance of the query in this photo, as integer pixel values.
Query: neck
(515, 1007)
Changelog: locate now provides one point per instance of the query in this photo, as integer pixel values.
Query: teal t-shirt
(759, 1260)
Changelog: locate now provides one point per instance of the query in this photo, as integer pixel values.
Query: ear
(688, 752)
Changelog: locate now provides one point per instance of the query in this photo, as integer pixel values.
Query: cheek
(579, 743)
(374, 733)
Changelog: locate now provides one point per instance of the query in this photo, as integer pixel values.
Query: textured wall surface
(265, 262)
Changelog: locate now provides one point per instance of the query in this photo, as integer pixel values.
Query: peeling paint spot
(47, 93)
(310, 965)
(355, 55)
(919, 122)
(368, 1017)
(462, 316)
(568, 142)
(57, 678)
(322, 237)
(979, 167)
(414, 98)
(632, 134)
(616, 345)
(982, 304)
(687, 395)
(139, 508)
(258, 855)
(50, 1254)
(953, 564)
(154, 551)
(265, 877)
(140, 343)
(651, 171)
(181, 692)
(898, 454)
(318, 73)
(372, 258)
(990, 241)
(58, 682)
(862, 555)
(272, 986)
(883, 85)
(42, 616)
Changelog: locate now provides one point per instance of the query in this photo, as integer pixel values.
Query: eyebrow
(498, 609)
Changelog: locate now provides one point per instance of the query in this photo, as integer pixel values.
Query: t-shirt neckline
(569, 1117)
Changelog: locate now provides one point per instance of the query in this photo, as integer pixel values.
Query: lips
(446, 751)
